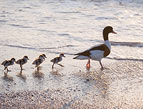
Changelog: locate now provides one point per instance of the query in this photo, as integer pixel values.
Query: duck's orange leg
(88, 65)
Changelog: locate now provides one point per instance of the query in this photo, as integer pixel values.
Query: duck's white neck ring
(108, 44)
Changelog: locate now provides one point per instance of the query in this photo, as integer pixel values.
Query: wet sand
(117, 87)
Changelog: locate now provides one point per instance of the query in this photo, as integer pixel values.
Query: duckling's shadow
(7, 77)
(55, 71)
(38, 74)
(56, 75)
(21, 76)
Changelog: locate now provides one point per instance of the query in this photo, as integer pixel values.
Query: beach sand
(117, 87)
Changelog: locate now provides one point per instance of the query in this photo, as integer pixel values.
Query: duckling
(56, 60)
(40, 60)
(22, 61)
(7, 63)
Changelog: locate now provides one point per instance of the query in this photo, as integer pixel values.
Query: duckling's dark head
(62, 55)
(44, 55)
(13, 59)
(26, 57)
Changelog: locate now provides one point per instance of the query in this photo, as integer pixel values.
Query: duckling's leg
(38, 68)
(101, 65)
(88, 65)
(53, 65)
(21, 67)
(5, 68)
(61, 65)
(20, 72)
(8, 70)
(5, 74)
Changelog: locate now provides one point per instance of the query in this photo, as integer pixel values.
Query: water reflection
(130, 44)
(127, 59)
(21, 76)
(55, 71)
(7, 77)
(38, 74)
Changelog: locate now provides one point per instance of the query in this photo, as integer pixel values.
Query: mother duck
(97, 52)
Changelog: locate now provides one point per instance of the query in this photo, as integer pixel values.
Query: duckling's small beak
(64, 56)
(113, 32)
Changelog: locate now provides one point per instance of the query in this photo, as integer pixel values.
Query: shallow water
(70, 26)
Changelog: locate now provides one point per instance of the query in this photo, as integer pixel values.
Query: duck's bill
(114, 32)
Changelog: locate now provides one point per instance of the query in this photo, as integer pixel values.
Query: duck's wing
(18, 61)
(55, 60)
(101, 47)
(21, 61)
(35, 61)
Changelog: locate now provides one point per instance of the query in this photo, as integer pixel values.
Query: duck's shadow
(21, 76)
(7, 77)
(102, 82)
(98, 79)
(87, 83)
(38, 74)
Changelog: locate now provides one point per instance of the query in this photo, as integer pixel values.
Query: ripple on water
(20, 26)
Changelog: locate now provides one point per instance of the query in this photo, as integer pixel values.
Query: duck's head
(109, 29)
(106, 31)
(62, 55)
(26, 57)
